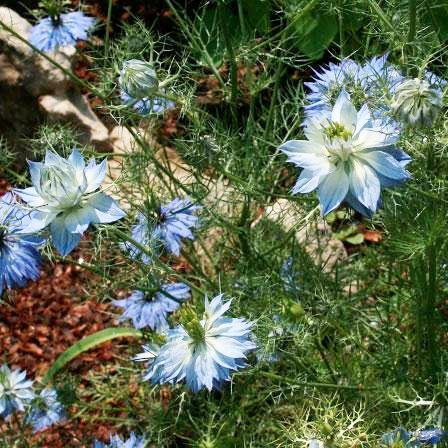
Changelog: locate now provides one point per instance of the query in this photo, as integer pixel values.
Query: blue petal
(63, 240)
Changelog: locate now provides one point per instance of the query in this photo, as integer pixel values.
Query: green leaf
(257, 14)
(315, 31)
(355, 239)
(86, 344)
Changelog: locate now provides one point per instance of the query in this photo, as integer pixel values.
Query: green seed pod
(138, 79)
(416, 102)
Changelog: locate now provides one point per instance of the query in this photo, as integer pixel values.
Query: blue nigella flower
(430, 436)
(65, 196)
(203, 353)
(19, 257)
(116, 442)
(147, 105)
(152, 310)
(400, 437)
(52, 33)
(143, 233)
(173, 222)
(371, 83)
(348, 157)
(15, 391)
(45, 410)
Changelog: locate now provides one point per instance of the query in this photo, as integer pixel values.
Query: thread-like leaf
(86, 344)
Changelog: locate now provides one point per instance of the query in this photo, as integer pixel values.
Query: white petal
(333, 189)
(385, 164)
(95, 175)
(344, 112)
(306, 182)
(364, 184)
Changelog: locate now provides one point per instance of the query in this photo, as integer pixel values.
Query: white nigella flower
(203, 352)
(347, 157)
(138, 79)
(15, 391)
(64, 195)
(417, 102)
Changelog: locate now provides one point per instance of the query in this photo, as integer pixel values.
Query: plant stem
(412, 21)
(298, 383)
(107, 38)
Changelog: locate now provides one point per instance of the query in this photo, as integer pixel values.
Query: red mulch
(48, 316)
(44, 319)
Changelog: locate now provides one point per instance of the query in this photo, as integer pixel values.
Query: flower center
(339, 145)
(193, 326)
(59, 184)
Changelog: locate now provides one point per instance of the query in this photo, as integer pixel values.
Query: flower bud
(138, 79)
(416, 102)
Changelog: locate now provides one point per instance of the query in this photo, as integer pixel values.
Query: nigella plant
(348, 157)
(15, 391)
(203, 353)
(45, 410)
(19, 255)
(116, 442)
(60, 30)
(139, 88)
(418, 101)
(370, 83)
(173, 222)
(65, 197)
(152, 309)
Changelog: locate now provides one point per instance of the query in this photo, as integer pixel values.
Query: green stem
(412, 21)
(164, 267)
(107, 38)
(298, 383)
(233, 68)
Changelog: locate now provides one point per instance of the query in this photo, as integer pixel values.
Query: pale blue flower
(64, 196)
(147, 105)
(116, 442)
(15, 391)
(45, 410)
(203, 353)
(174, 221)
(348, 157)
(145, 234)
(371, 83)
(152, 310)
(52, 33)
(19, 257)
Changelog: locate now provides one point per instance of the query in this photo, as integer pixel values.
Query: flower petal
(106, 209)
(63, 240)
(344, 112)
(333, 189)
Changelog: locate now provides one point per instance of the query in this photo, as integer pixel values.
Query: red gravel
(42, 320)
